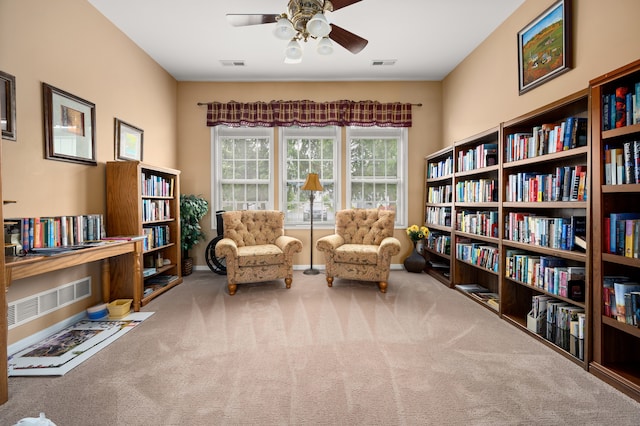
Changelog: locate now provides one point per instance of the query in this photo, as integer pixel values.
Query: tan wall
(70, 45)
(482, 91)
(195, 137)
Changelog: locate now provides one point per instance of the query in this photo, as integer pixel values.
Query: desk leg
(4, 379)
(137, 276)
(106, 281)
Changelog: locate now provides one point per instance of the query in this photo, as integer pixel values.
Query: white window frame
(218, 132)
(383, 133)
(310, 132)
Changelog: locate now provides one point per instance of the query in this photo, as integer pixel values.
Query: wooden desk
(29, 266)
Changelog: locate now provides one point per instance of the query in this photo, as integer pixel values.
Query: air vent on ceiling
(383, 62)
(232, 63)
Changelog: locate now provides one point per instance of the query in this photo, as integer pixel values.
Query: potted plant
(192, 209)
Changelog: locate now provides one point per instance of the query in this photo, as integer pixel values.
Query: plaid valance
(309, 114)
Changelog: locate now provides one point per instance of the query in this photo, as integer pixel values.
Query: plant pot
(187, 266)
(415, 262)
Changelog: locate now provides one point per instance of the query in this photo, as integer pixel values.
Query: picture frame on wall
(545, 48)
(8, 106)
(128, 141)
(69, 127)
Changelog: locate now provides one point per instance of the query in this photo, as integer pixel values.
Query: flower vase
(415, 262)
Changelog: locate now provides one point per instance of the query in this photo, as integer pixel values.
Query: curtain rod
(207, 103)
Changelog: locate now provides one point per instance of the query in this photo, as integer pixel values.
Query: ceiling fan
(305, 19)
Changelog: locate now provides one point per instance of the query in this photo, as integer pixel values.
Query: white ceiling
(190, 38)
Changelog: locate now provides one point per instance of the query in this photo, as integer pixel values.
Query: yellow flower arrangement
(417, 233)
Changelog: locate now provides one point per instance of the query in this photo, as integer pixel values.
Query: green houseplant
(192, 210)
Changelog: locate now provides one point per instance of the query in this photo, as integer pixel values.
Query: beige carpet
(420, 354)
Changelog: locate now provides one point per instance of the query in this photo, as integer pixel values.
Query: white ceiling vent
(232, 63)
(383, 62)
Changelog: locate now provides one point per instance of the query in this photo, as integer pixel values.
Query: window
(309, 150)
(242, 162)
(376, 172)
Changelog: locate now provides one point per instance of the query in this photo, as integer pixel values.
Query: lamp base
(311, 271)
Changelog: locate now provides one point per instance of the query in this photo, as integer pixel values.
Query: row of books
(479, 254)
(483, 155)
(547, 139)
(155, 210)
(546, 272)
(439, 242)
(477, 191)
(558, 322)
(478, 222)
(622, 164)
(58, 231)
(621, 234)
(438, 216)
(553, 232)
(621, 108)
(440, 169)
(621, 298)
(156, 186)
(156, 236)
(440, 194)
(567, 183)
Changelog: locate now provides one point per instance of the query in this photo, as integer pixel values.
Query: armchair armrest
(329, 243)
(227, 248)
(288, 245)
(390, 246)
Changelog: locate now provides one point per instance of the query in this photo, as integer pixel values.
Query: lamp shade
(312, 183)
(318, 25)
(325, 47)
(293, 50)
(284, 29)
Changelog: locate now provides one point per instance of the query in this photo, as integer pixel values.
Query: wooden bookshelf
(476, 213)
(438, 204)
(616, 344)
(145, 200)
(538, 210)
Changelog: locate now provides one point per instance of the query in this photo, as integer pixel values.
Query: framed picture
(545, 47)
(8, 106)
(69, 127)
(128, 141)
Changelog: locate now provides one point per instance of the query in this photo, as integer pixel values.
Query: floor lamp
(311, 184)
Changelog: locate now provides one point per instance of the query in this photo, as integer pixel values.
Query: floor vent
(29, 308)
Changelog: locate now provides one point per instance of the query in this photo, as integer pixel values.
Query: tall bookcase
(145, 200)
(544, 191)
(476, 232)
(437, 213)
(616, 343)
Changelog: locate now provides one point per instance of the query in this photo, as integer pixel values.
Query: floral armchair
(255, 247)
(362, 246)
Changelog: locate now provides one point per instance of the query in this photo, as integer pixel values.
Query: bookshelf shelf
(616, 344)
(136, 192)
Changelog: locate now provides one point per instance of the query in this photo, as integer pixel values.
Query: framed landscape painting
(545, 47)
(128, 140)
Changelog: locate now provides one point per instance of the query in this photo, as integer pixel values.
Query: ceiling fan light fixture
(325, 47)
(284, 28)
(293, 52)
(318, 25)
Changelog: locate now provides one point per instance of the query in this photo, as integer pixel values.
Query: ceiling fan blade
(242, 20)
(353, 43)
(339, 4)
